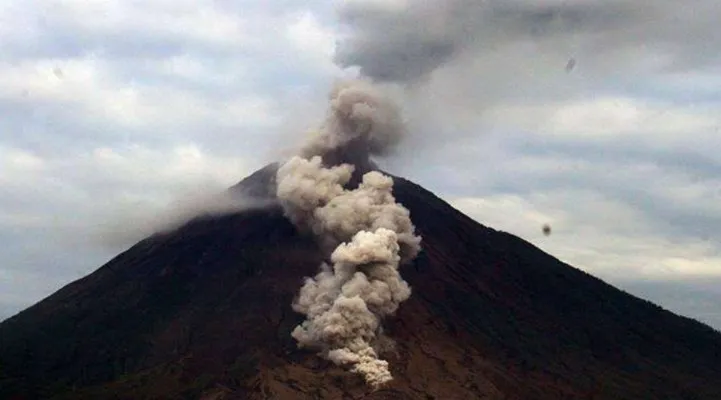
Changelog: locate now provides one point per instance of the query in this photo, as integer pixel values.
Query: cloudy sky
(599, 118)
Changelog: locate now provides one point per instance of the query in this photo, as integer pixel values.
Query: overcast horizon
(597, 118)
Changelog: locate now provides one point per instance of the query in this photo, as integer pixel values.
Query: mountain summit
(204, 312)
(348, 283)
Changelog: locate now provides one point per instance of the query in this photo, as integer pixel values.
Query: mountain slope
(204, 312)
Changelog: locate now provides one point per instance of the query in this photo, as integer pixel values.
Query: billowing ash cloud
(366, 234)
(362, 120)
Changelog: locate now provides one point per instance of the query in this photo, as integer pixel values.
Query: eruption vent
(364, 232)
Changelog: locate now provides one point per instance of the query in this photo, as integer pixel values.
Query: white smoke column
(366, 233)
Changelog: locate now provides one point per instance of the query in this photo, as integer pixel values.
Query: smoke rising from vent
(362, 121)
(364, 232)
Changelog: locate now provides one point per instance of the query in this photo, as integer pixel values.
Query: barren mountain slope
(205, 312)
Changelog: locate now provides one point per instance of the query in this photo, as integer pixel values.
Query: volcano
(204, 312)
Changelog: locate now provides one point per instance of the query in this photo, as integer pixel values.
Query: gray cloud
(461, 59)
(405, 41)
(671, 200)
(121, 227)
(142, 106)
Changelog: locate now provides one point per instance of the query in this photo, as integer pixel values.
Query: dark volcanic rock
(204, 312)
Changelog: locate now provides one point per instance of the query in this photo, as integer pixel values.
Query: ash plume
(460, 61)
(405, 41)
(362, 120)
(331, 191)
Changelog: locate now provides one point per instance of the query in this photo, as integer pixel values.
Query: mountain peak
(205, 312)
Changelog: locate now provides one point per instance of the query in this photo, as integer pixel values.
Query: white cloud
(605, 236)
(13, 161)
(95, 204)
(312, 39)
(148, 178)
(615, 117)
(180, 21)
(624, 116)
(89, 85)
(129, 111)
(185, 163)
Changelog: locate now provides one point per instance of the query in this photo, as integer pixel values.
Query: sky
(598, 118)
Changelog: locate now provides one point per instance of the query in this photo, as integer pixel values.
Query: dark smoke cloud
(405, 41)
(467, 67)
